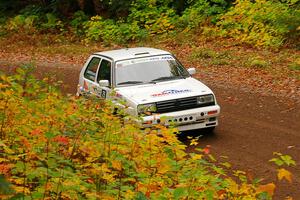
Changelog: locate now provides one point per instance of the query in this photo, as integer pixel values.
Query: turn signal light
(212, 112)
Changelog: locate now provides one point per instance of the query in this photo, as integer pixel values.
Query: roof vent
(142, 53)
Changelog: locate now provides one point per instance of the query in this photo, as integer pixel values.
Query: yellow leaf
(108, 177)
(288, 198)
(193, 142)
(129, 194)
(19, 181)
(104, 168)
(21, 189)
(197, 157)
(283, 173)
(117, 165)
(70, 150)
(67, 183)
(269, 188)
(3, 160)
(163, 169)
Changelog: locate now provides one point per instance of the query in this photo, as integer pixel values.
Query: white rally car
(155, 86)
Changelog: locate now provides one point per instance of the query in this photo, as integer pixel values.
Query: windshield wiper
(130, 82)
(163, 78)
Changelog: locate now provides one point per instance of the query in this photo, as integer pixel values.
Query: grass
(210, 56)
(295, 65)
(69, 49)
(203, 53)
(257, 63)
(219, 62)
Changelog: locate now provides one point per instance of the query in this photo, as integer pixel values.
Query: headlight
(146, 108)
(205, 99)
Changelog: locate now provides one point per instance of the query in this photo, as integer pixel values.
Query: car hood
(162, 91)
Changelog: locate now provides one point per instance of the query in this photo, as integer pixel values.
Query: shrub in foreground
(60, 147)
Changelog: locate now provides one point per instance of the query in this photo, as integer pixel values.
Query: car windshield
(149, 70)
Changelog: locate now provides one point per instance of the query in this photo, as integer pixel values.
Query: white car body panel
(149, 93)
(134, 95)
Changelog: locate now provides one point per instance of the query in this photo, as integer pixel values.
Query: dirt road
(252, 126)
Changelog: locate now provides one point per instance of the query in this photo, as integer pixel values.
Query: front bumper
(184, 120)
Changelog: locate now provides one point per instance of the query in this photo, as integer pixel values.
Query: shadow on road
(202, 137)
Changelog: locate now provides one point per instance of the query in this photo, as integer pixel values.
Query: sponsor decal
(170, 92)
(85, 86)
(161, 58)
(143, 60)
(118, 95)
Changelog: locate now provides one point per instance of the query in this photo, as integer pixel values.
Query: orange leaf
(90, 180)
(206, 150)
(61, 139)
(117, 165)
(269, 188)
(35, 132)
(5, 168)
(283, 173)
(25, 141)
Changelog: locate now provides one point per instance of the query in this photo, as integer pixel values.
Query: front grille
(179, 104)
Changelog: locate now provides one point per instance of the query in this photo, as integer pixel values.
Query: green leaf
(52, 163)
(49, 135)
(209, 195)
(283, 159)
(18, 197)
(37, 195)
(277, 161)
(141, 196)
(288, 160)
(19, 167)
(5, 187)
(179, 193)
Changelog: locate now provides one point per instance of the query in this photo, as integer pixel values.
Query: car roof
(130, 53)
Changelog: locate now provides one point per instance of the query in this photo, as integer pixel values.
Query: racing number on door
(103, 94)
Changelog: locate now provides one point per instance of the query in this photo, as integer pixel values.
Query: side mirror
(103, 83)
(191, 71)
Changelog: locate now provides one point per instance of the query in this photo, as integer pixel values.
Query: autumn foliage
(57, 147)
(263, 23)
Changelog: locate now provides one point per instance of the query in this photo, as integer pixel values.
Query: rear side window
(91, 70)
(104, 71)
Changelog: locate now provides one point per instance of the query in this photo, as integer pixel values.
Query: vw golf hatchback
(154, 85)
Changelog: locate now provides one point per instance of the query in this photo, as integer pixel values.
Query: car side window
(104, 72)
(91, 70)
